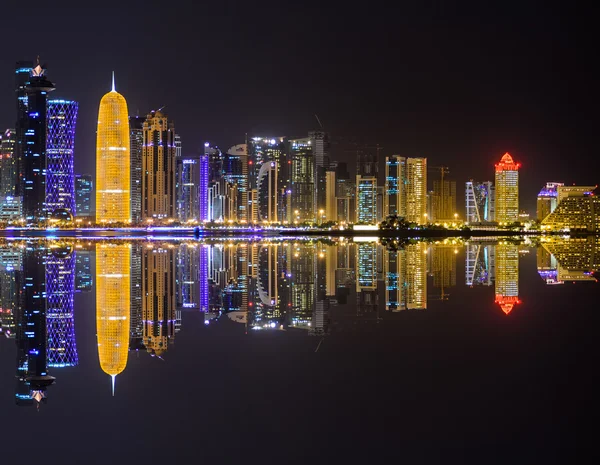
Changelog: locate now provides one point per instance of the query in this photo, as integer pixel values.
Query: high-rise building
(31, 140)
(22, 75)
(547, 199)
(83, 195)
(345, 193)
(158, 167)
(507, 190)
(444, 201)
(113, 302)
(480, 265)
(188, 187)
(366, 199)
(395, 176)
(60, 322)
(235, 171)
(416, 190)
(330, 201)
(203, 183)
(480, 201)
(507, 276)
(158, 298)
(267, 192)
(136, 145)
(320, 148)
(303, 207)
(113, 160)
(60, 146)
(578, 209)
(8, 164)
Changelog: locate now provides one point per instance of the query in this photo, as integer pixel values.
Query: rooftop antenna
(319, 121)
(164, 106)
(113, 384)
(113, 82)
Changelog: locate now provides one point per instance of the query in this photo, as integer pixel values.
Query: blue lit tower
(203, 188)
(60, 143)
(22, 72)
(60, 325)
(31, 140)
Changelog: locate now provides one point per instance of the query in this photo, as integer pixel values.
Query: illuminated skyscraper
(480, 201)
(416, 190)
(158, 167)
(60, 145)
(236, 174)
(188, 187)
(330, 200)
(136, 143)
(395, 192)
(345, 193)
(60, 323)
(507, 190)
(204, 173)
(8, 164)
(158, 298)
(267, 192)
(507, 276)
(547, 199)
(303, 207)
(31, 143)
(320, 148)
(83, 195)
(366, 199)
(113, 301)
(113, 162)
(578, 209)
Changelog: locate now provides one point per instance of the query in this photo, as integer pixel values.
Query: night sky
(460, 86)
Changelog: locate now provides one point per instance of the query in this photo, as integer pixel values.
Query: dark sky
(459, 85)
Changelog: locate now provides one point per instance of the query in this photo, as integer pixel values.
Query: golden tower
(113, 160)
(113, 306)
(507, 190)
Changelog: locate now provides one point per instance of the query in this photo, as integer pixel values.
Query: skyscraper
(345, 193)
(113, 162)
(22, 75)
(31, 141)
(395, 176)
(113, 264)
(83, 195)
(444, 201)
(267, 192)
(204, 173)
(8, 164)
(60, 146)
(416, 190)
(302, 181)
(188, 187)
(331, 200)
(366, 199)
(320, 146)
(578, 209)
(158, 167)
(235, 171)
(547, 199)
(480, 200)
(136, 143)
(507, 190)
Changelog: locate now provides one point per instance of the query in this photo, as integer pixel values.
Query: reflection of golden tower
(507, 276)
(158, 297)
(113, 306)
(112, 160)
(416, 276)
(444, 267)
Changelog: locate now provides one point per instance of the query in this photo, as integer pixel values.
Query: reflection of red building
(507, 302)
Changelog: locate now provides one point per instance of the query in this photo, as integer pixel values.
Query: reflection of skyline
(574, 259)
(507, 276)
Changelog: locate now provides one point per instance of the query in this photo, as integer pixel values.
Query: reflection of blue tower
(203, 278)
(60, 286)
(203, 188)
(32, 376)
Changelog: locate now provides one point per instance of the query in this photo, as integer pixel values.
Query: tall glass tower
(8, 173)
(113, 195)
(60, 143)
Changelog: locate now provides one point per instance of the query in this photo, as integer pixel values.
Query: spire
(113, 82)
(114, 377)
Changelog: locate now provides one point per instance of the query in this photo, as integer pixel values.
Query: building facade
(444, 201)
(187, 185)
(416, 190)
(267, 193)
(136, 146)
(507, 190)
(366, 199)
(8, 164)
(578, 209)
(235, 172)
(395, 190)
(303, 207)
(480, 198)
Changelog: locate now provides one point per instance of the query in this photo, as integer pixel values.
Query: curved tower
(113, 306)
(60, 142)
(112, 160)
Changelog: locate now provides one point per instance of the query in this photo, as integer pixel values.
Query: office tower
(480, 265)
(8, 165)
(253, 206)
(22, 75)
(267, 192)
(330, 199)
(395, 175)
(395, 271)
(158, 298)
(136, 145)
(204, 173)
(578, 209)
(416, 190)
(188, 188)
(320, 146)
(31, 336)
(547, 199)
(11, 268)
(60, 145)
(302, 185)
(444, 201)
(507, 276)
(480, 201)
(136, 327)
(158, 167)
(216, 162)
(84, 279)
(366, 199)
(235, 171)
(187, 276)
(345, 192)
(60, 322)
(83, 195)
(507, 190)
(113, 160)
(416, 276)
(31, 138)
(113, 301)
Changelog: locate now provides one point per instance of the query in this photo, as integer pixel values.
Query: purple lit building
(203, 188)
(547, 199)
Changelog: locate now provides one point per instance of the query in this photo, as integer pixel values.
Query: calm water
(296, 351)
